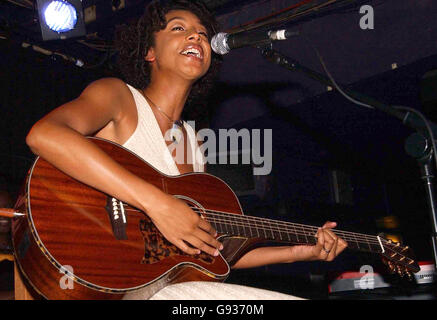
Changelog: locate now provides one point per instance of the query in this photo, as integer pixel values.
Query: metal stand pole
(419, 148)
(428, 177)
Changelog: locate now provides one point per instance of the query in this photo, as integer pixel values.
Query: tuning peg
(409, 276)
(391, 267)
(400, 271)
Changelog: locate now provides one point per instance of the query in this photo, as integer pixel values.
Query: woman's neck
(170, 96)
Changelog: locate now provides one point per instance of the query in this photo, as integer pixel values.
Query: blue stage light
(61, 19)
(60, 16)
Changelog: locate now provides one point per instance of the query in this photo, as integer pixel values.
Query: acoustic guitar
(74, 242)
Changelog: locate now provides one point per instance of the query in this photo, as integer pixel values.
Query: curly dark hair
(135, 39)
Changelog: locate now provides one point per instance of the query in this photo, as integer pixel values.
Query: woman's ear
(150, 56)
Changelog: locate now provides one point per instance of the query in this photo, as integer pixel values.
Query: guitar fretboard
(287, 232)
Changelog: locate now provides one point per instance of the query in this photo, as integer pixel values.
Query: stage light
(60, 16)
(61, 19)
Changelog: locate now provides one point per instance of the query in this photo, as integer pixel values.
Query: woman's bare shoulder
(106, 88)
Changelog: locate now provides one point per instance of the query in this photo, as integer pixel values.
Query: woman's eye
(178, 28)
(204, 34)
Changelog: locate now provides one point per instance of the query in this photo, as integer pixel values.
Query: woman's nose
(193, 35)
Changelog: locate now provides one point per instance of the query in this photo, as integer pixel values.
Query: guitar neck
(285, 232)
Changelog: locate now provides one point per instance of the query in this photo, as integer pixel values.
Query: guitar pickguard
(158, 248)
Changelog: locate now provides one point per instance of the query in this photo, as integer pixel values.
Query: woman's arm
(60, 138)
(327, 248)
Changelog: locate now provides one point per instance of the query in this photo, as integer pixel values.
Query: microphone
(222, 43)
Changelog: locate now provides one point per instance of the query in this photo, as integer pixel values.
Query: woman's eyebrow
(183, 19)
(175, 18)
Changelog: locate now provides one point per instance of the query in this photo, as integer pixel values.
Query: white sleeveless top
(149, 144)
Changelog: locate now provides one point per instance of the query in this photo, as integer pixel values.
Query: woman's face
(182, 48)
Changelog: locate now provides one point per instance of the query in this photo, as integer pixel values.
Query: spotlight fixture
(61, 19)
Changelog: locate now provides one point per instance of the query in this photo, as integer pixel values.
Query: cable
(332, 78)
(26, 4)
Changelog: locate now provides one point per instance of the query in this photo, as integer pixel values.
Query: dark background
(316, 133)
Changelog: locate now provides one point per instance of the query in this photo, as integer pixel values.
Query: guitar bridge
(117, 216)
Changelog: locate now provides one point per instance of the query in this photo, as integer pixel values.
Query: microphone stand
(418, 145)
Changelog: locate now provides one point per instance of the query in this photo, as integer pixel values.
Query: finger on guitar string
(186, 248)
(332, 244)
(204, 225)
(198, 243)
(325, 245)
(319, 247)
(329, 225)
(181, 226)
(206, 238)
(340, 244)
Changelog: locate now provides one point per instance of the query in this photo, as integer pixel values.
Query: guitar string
(289, 225)
(286, 231)
(233, 215)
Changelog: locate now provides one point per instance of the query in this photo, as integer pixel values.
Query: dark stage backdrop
(31, 86)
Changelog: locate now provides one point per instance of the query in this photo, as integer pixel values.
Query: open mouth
(193, 51)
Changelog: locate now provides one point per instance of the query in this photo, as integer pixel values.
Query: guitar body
(66, 247)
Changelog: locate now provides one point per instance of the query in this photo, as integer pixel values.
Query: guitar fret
(356, 241)
(368, 243)
(297, 235)
(279, 232)
(241, 230)
(254, 232)
(227, 228)
(271, 231)
(231, 225)
(303, 231)
(257, 231)
(246, 232)
(264, 229)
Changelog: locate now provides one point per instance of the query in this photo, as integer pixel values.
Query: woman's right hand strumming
(180, 225)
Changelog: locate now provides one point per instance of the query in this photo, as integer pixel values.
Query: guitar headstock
(399, 259)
